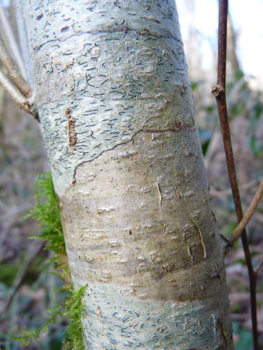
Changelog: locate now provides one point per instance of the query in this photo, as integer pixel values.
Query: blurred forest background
(22, 159)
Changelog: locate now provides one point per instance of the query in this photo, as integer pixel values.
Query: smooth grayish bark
(118, 122)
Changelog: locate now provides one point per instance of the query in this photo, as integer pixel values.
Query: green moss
(46, 211)
(74, 307)
(71, 307)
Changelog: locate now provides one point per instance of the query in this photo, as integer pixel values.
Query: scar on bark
(177, 127)
(223, 331)
(159, 191)
(201, 238)
(189, 251)
(72, 135)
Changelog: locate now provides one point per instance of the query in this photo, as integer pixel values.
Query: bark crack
(120, 144)
(201, 238)
(113, 30)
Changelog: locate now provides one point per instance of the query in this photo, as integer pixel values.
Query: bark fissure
(124, 143)
(115, 30)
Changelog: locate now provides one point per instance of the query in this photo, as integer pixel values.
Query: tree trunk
(118, 122)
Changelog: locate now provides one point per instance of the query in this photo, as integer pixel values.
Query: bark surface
(118, 122)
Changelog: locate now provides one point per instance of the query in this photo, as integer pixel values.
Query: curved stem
(243, 223)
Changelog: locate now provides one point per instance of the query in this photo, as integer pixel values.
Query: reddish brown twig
(219, 92)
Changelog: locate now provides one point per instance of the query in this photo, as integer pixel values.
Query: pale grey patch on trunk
(116, 76)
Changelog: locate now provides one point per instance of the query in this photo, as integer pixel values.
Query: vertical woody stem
(219, 92)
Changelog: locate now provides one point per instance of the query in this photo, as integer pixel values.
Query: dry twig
(21, 274)
(11, 41)
(227, 192)
(258, 267)
(243, 223)
(16, 77)
(17, 97)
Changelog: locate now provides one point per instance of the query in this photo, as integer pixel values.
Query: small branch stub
(216, 89)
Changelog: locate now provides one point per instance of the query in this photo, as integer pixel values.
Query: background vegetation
(22, 159)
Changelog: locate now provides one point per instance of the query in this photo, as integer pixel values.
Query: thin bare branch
(23, 43)
(224, 193)
(219, 92)
(258, 267)
(12, 41)
(17, 78)
(21, 274)
(243, 223)
(17, 97)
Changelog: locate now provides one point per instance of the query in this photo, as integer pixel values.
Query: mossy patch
(46, 211)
